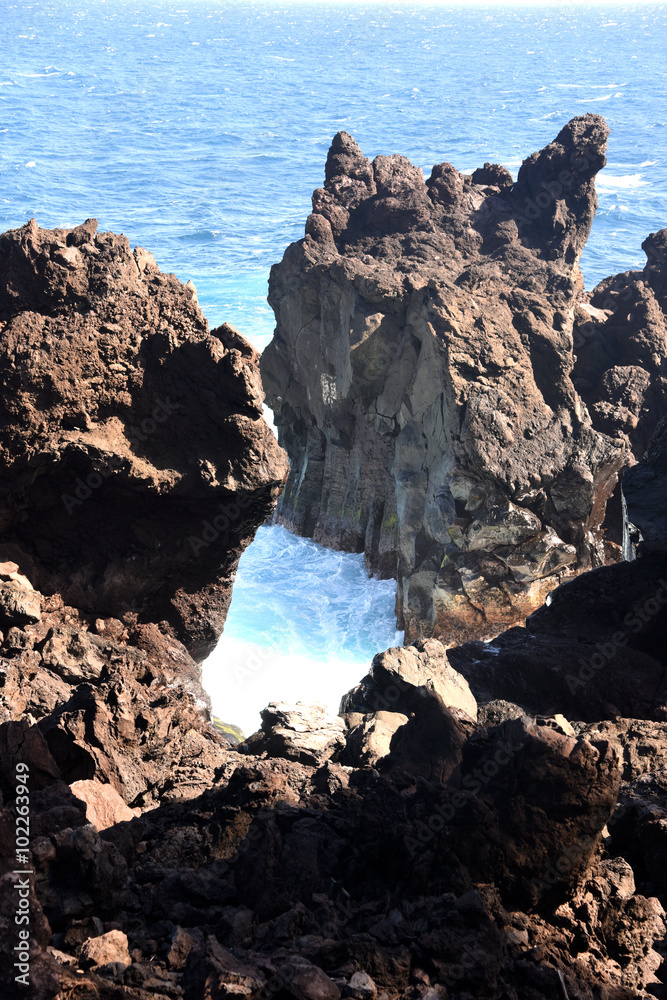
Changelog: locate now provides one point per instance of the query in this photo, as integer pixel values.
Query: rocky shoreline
(480, 820)
(453, 403)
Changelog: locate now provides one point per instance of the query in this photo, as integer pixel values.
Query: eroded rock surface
(421, 376)
(404, 850)
(451, 834)
(135, 461)
(620, 338)
(465, 861)
(596, 650)
(644, 492)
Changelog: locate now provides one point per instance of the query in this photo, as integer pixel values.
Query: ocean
(200, 129)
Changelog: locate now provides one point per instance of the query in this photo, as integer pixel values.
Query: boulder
(369, 741)
(429, 746)
(212, 970)
(105, 949)
(595, 651)
(400, 676)
(18, 605)
(305, 733)
(104, 806)
(542, 800)
(305, 981)
(181, 944)
(361, 987)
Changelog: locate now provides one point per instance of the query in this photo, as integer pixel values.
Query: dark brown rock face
(135, 468)
(425, 844)
(595, 652)
(645, 493)
(410, 851)
(134, 458)
(468, 861)
(421, 374)
(620, 340)
(597, 649)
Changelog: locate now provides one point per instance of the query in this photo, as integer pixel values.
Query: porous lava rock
(409, 850)
(425, 844)
(644, 492)
(620, 338)
(596, 649)
(421, 376)
(475, 864)
(135, 462)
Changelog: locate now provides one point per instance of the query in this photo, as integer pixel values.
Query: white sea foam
(595, 100)
(608, 182)
(241, 678)
(589, 86)
(304, 623)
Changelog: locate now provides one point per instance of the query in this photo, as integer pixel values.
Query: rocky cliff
(453, 404)
(135, 462)
(451, 834)
(436, 840)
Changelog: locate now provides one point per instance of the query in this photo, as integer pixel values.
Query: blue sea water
(200, 128)
(303, 626)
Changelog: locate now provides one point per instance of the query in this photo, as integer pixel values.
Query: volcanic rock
(136, 464)
(273, 878)
(369, 740)
(596, 650)
(620, 338)
(548, 795)
(111, 947)
(645, 490)
(421, 377)
(181, 944)
(104, 806)
(137, 722)
(414, 848)
(307, 733)
(213, 971)
(398, 676)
